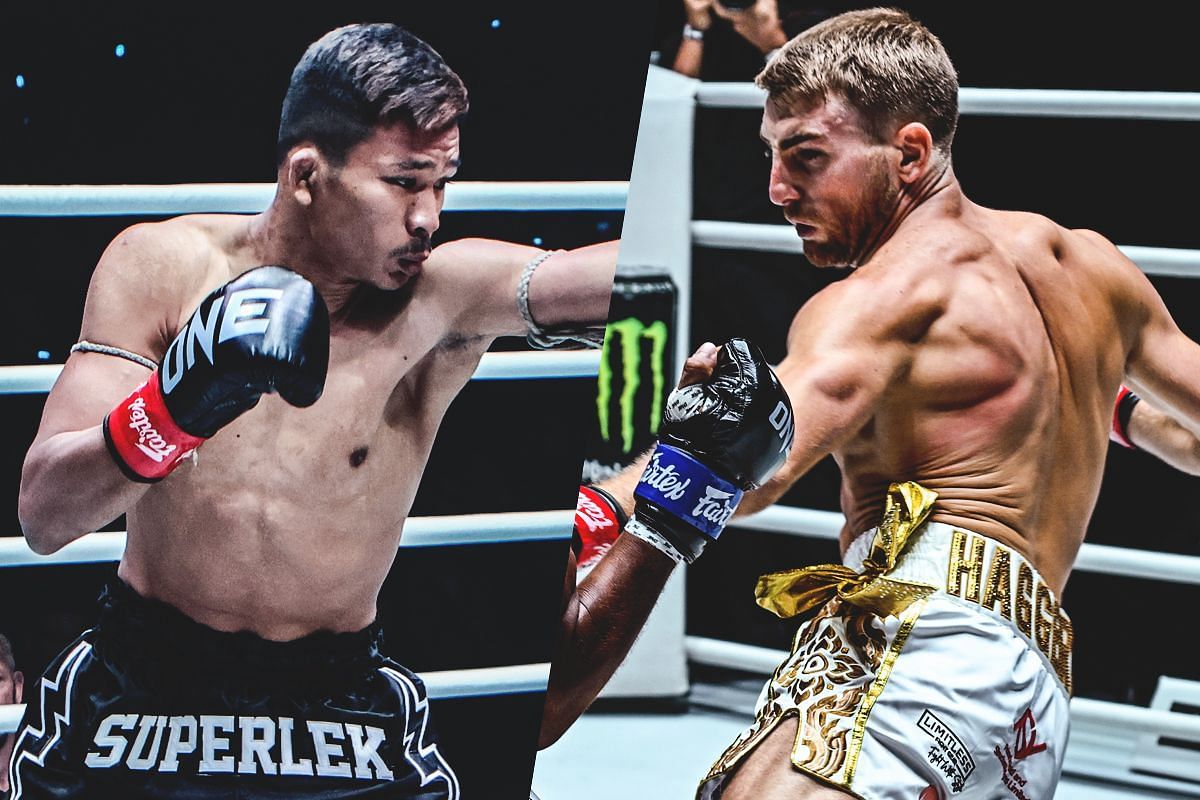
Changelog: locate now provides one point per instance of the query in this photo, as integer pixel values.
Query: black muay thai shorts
(151, 704)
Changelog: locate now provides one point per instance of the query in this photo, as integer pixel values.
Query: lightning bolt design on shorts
(54, 705)
(424, 756)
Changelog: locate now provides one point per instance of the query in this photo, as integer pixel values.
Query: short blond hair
(887, 65)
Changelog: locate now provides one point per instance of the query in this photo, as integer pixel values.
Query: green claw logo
(629, 334)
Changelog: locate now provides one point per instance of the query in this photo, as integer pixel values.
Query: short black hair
(6, 654)
(358, 76)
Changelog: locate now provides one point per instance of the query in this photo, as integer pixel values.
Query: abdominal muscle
(272, 530)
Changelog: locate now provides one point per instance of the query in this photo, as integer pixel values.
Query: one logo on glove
(715, 506)
(665, 479)
(150, 441)
(241, 318)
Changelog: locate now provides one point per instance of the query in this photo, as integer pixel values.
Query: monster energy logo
(629, 334)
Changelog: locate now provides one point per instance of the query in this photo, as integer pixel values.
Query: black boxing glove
(265, 331)
(718, 438)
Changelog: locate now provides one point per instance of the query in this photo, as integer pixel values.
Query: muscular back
(1005, 349)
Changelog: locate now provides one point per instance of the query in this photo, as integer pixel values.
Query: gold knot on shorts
(796, 591)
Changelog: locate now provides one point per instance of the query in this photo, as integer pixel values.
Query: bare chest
(384, 398)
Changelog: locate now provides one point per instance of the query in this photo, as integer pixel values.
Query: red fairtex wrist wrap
(143, 438)
(1122, 409)
(598, 522)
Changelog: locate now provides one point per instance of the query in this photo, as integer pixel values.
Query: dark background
(1131, 180)
(195, 98)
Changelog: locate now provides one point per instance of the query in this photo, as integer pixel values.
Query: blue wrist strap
(682, 486)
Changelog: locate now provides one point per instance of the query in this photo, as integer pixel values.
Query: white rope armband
(546, 338)
(655, 540)
(84, 346)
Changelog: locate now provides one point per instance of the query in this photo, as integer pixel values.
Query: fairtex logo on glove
(715, 506)
(664, 478)
(592, 515)
(144, 440)
(686, 488)
(150, 441)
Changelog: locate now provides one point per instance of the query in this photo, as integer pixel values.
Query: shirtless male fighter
(271, 447)
(963, 376)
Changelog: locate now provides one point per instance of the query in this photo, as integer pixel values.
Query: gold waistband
(966, 565)
(796, 591)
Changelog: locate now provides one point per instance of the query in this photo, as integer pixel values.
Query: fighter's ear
(915, 144)
(300, 169)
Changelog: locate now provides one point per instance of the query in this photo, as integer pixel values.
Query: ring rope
(38, 378)
(1127, 562)
(443, 685)
(1095, 104)
(74, 200)
(487, 681)
(771, 238)
(434, 531)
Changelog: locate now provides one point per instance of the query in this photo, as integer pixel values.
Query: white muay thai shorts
(963, 694)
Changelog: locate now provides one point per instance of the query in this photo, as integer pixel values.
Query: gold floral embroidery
(821, 742)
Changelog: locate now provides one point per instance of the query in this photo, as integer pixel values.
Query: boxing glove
(599, 519)
(718, 439)
(265, 331)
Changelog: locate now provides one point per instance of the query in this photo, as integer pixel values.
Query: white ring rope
(190, 198)
(489, 680)
(769, 238)
(443, 685)
(764, 661)
(541, 364)
(37, 378)
(1124, 561)
(10, 717)
(1165, 261)
(1179, 106)
(437, 531)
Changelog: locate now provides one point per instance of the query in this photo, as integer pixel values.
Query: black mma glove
(264, 331)
(718, 438)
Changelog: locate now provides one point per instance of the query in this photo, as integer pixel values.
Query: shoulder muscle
(141, 284)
